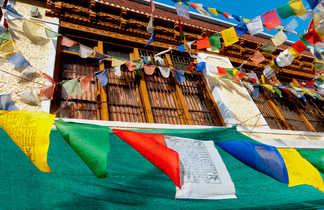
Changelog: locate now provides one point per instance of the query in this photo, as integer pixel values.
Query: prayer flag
(30, 131)
(152, 5)
(11, 13)
(268, 72)
(285, 11)
(255, 26)
(51, 34)
(179, 76)
(285, 58)
(213, 11)
(203, 43)
(5, 36)
(313, 37)
(30, 97)
(182, 10)
(72, 87)
(6, 103)
(149, 27)
(299, 46)
(313, 3)
(165, 71)
(202, 9)
(294, 52)
(85, 51)
(215, 43)
(117, 62)
(229, 36)
(279, 38)
(29, 72)
(257, 57)
(298, 7)
(102, 76)
(149, 69)
(68, 42)
(200, 66)
(89, 142)
(178, 157)
(151, 39)
(271, 19)
(241, 29)
(268, 47)
(18, 60)
(34, 31)
(7, 48)
(221, 70)
(292, 25)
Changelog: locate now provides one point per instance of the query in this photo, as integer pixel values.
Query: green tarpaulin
(133, 182)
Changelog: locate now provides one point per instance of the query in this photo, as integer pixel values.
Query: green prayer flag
(51, 34)
(90, 142)
(315, 157)
(319, 66)
(72, 87)
(268, 47)
(279, 93)
(215, 43)
(303, 40)
(5, 36)
(319, 81)
(285, 11)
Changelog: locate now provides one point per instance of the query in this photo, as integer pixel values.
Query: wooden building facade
(118, 28)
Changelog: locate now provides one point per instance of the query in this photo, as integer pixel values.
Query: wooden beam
(144, 93)
(181, 103)
(307, 123)
(277, 111)
(102, 90)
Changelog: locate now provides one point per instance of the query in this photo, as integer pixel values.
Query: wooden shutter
(314, 115)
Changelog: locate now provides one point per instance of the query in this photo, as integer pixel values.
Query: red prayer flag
(152, 6)
(313, 37)
(271, 19)
(154, 149)
(203, 43)
(85, 82)
(299, 46)
(68, 42)
(221, 70)
(226, 15)
(195, 6)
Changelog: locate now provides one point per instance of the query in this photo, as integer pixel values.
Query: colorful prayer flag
(72, 87)
(6, 103)
(213, 11)
(85, 83)
(229, 36)
(90, 142)
(271, 19)
(298, 7)
(255, 26)
(203, 43)
(18, 60)
(257, 57)
(215, 43)
(68, 42)
(30, 131)
(279, 38)
(150, 40)
(30, 97)
(7, 48)
(285, 58)
(299, 46)
(102, 76)
(285, 11)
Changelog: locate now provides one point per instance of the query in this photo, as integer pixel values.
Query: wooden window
(152, 99)
(282, 114)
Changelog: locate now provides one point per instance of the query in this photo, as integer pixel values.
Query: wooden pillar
(144, 94)
(307, 123)
(181, 103)
(102, 91)
(277, 111)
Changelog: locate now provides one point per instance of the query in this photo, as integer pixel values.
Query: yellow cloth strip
(30, 131)
(300, 171)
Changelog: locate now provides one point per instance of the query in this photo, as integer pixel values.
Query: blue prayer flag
(6, 103)
(261, 157)
(241, 29)
(200, 66)
(181, 48)
(102, 76)
(313, 3)
(180, 76)
(151, 39)
(18, 60)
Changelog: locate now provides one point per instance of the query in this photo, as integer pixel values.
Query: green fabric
(5, 36)
(279, 93)
(90, 142)
(319, 66)
(285, 11)
(268, 47)
(215, 43)
(133, 182)
(51, 34)
(72, 87)
(315, 157)
(303, 40)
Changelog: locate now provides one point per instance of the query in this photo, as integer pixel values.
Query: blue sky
(250, 9)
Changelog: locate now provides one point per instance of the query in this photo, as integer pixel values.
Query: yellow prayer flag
(30, 131)
(262, 79)
(274, 67)
(300, 171)
(7, 48)
(294, 52)
(246, 20)
(213, 11)
(298, 7)
(117, 62)
(35, 31)
(229, 36)
(269, 87)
